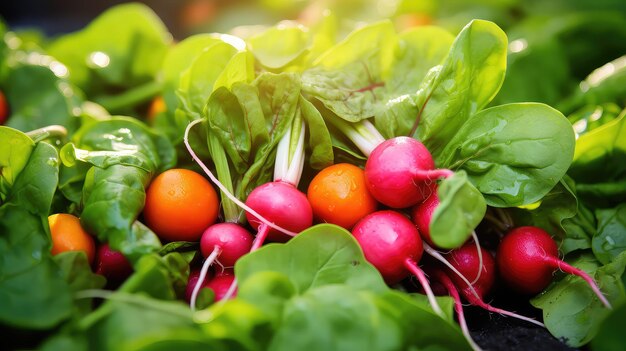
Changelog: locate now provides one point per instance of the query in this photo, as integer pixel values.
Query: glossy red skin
(232, 238)
(282, 204)
(193, 279)
(422, 214)
(4, 108)
(389, 172)
(112, 264)
(388, 238)
(220, 285)
(465, 259)
(520, 259)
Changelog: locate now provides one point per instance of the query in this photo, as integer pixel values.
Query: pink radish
(469, 261)
(224, 243)
(399, 171)
(221, 285)
(392, 244)
(423, 212)
(193, 281)
(112, 264)
(528, 256)
(282, 204)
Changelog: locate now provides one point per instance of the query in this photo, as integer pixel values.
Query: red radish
(467, 261)
(112, 264)
(392, 244)
(193, 281)
(4, 108)
(399, 171)
(528, 256)
(282, 204)
(222, 242)
(220, 285)
(422, 214)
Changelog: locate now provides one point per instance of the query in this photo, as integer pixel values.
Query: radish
(112, 264)
(219, 282)
(399, 172)
(528, 256)
(224, 243)
(391, 243)
(192, 281)
(221, 285)
(469, 261)
(423, 212)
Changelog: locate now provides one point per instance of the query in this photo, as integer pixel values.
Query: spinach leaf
(124, 155)
(77, 273)
(599, 165)
(280, 45)
(571, 310)
(321, 255)
(559, 204)
(461, 208)
(33, 292)
(514, 154)
(610, 240)
(14, 155)
(610, 335)
(40, 93)
(448, 95)
(121, 49)
(579, 230)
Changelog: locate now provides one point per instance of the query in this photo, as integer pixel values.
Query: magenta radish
(527, 258)
(224, 243)
(391, 243)
(423, 212)
(193, 281)
(221, 285)
(399, 172)
(477, 264)
(112, 264)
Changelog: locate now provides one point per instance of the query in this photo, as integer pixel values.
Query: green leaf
(320, 142)
(123, 47)
(599, 164)
(422, 328)
(33, 292)
(40, 94)
(610, 335)
(14, 155)
(77, 273)
(570, 308)
(321, 255)
(349, 77)
(280, 45)
(449, 95)
(461, 208)
(578, 230)
(610, 241)
(336, 317)
(514, 154)
(420, 49)
(556, 206)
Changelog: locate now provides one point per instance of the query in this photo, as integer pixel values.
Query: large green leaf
(514, 154)
(321, 255)
(450, 95)
(570, 308)
(280, 45)
(610, 240)
(33, 292)
(14, 155)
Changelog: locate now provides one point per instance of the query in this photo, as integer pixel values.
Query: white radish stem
(205, 268)
(421, 277)
(480, 258)
(224, 190)
(439, 257)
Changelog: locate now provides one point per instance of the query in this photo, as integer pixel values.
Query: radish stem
(421, 277)
(205, 268)
(480, 257)
(567, 268)
(436, 255)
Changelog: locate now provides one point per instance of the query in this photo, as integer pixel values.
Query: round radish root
(282, 204)
(399, 171)
(220, 285)
(388, 239)
(528, 256)
(193, 281)
(467, 261)
(233, 240)
(112, 264)
(422, 214)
